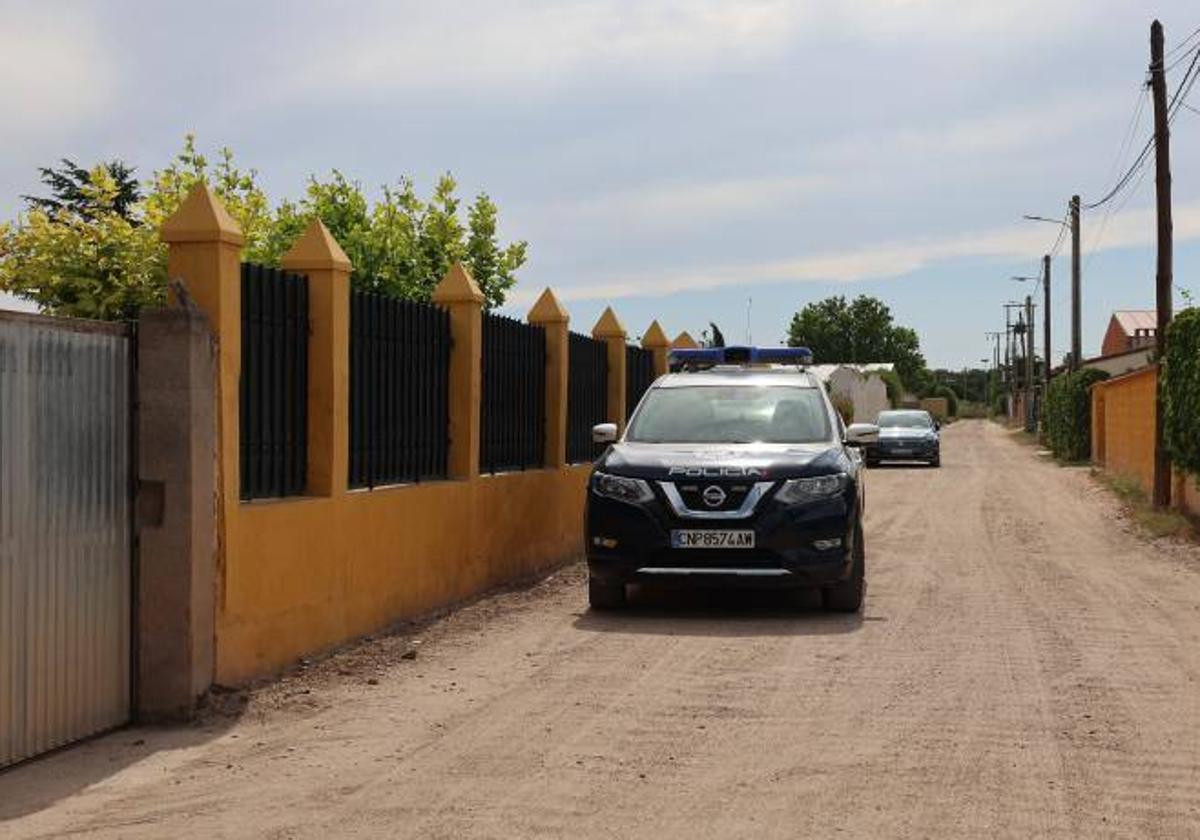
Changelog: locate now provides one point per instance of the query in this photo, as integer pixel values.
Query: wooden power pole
(1164, 277)
(1045, 326)
(1029, 415)
(1076, 341)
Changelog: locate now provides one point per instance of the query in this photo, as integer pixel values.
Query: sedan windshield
(731, 414)
(904, 420)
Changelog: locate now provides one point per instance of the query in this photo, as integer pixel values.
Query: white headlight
(807, 489)
(631, 490)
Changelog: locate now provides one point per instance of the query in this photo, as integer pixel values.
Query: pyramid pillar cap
(458, 286)
(316, 250)
(684, 340)
(548, 310)
(654, 337)
(201, 218)
(609, 326)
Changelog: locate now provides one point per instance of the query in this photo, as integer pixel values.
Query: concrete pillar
(609, 330)
(549, 314)
(177, 478)
(684, 341)
(317, 254)
(655, 340)
(459, 294)
(205, 254)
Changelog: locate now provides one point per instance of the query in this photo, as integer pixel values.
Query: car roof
(737, 375)
(905, 411)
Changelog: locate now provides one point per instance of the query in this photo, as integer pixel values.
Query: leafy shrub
(844, 406)
(951, 399)
(1181, 390)
(895, 388)
(1068, 414)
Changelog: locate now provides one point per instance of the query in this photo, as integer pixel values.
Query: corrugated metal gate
(65, 531)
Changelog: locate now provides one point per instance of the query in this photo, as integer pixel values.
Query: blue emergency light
(709, 356)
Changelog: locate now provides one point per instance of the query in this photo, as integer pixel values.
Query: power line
(1181, 93)
(1181, 44)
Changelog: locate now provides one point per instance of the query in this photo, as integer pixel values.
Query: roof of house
(1132, 320)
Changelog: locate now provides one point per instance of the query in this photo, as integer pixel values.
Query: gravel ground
(1026, 666)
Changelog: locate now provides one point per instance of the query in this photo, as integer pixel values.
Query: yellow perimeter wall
(1123, 435)
(303, 574)
(1123, 425)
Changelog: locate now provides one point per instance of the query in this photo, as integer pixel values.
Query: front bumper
(632, 543)
(903, 450)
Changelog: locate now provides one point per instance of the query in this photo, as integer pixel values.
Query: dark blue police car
(734, 470)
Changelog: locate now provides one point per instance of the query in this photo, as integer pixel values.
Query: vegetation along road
(1026, 666)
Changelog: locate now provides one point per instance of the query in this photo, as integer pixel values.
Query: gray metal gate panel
(65, 533)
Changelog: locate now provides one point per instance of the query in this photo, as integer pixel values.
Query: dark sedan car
(906, 435)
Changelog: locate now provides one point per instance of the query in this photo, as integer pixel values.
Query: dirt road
(1026, 667)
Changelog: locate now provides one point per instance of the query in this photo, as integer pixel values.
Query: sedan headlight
(810, 489)
(631, 490)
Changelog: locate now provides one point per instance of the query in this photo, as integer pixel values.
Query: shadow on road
(37, 783)
(713, 612)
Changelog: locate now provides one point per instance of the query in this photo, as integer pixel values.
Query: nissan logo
(713, 496)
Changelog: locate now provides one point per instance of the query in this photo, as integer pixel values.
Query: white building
(861, 384)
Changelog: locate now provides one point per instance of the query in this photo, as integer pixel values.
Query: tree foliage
(1067, 417)
(91, 251)
(858, 331)
(72, 191)
(1181, 390)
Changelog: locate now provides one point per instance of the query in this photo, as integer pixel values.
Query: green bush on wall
(1068, 414)
(1180, 386)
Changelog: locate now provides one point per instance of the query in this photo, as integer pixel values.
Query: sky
(681, 161)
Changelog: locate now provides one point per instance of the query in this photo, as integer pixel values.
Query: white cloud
(663, 207)
(536, 45)
(56, 73)
(888, 259)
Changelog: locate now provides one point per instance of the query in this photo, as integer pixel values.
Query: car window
(904, 420)
(731, 414)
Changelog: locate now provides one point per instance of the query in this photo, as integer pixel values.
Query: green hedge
(1068, 414)
(1181, 390)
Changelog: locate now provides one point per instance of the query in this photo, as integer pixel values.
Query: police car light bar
(709, 356)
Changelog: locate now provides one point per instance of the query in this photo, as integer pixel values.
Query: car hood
(757, 462)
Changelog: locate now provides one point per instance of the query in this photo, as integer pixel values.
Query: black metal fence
(639, 373)
(399, 390)
(513, 421)
(274, 383)
(587, 395)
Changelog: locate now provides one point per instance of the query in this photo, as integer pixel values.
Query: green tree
(858, 331)
(89, 251)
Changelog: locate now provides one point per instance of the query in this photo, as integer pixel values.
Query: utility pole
(1165, 273)
(1076, 342)
(1045, 325)
(1030, 423)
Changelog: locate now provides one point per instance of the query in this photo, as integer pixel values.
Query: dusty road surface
(1026, 666)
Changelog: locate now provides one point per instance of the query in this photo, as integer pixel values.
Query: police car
(735, 470)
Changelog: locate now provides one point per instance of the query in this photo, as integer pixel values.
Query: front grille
(693, 494)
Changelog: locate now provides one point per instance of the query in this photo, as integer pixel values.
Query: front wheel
(847, 596)
(937, 460)
(605, 596)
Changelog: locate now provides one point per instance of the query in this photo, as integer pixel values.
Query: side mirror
(604, 433)
(860, 434)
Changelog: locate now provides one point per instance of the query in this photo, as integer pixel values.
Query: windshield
(904, 420)
(731, 414)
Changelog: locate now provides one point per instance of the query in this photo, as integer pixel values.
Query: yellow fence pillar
(459, 294)
(655, 340)
(204, 252)
(609, 330)
(549, 314)
(317, 254)
(684, 341)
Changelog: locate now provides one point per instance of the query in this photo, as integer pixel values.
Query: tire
(871, 463)
(605, 596)
(937, 460)
(848, 595)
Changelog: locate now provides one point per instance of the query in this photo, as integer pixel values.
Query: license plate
(712, 539)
